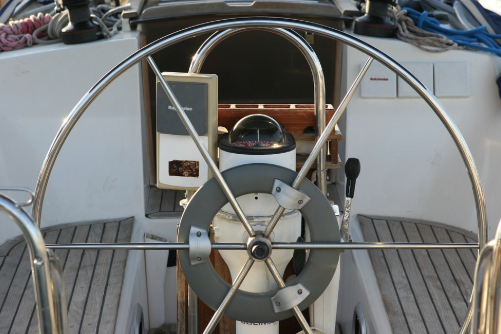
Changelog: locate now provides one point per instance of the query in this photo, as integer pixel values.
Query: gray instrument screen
(193, 97)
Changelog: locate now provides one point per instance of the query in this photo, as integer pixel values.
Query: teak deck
(164, 203)
(93, 278)
(424, 291)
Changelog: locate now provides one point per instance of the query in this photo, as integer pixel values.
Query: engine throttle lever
(352, 170)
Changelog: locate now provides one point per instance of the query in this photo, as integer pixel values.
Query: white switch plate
(452, 79)
(423, 72)
(379, 82)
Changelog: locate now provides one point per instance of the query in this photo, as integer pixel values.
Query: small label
(184, 168)
(184, 108)
(259, 323)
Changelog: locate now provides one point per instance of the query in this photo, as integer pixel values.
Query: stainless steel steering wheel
(295, 180)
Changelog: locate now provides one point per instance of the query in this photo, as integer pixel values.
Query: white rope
(54, 28)
(425, 40)
(103, 16)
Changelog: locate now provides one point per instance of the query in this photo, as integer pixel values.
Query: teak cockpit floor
(164, 203)
(93, 278)
(423, 290)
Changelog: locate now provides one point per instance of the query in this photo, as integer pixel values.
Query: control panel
(179, 163)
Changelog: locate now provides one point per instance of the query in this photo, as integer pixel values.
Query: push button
(379, 82)
(423, 72)
(452, 79)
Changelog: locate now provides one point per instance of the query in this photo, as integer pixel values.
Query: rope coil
(408, 32)
(21, 33)
(426, 33)
(47, 28)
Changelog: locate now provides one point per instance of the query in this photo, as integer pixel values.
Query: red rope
(19, 34)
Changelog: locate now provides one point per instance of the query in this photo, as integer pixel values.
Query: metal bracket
(287, 196)
(200, 246)
(22, 189)
(288, 297)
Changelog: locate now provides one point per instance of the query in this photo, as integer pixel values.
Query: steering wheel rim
(327, 32)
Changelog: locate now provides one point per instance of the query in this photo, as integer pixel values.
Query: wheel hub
(259, 248)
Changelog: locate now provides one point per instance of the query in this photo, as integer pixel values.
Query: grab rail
(58, 294)
(487, 288)
(480, 301)
(48, 321)
(316, 69)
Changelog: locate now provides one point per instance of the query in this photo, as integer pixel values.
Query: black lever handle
(352, 170)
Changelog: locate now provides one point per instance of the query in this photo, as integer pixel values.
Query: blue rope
(466, 38)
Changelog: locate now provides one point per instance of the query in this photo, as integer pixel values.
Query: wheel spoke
(371, 245)
(321, 141)
(220, 311)
(203, 150)
(297, 312)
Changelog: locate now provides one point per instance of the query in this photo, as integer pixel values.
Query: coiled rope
(47, 28)
(426, 33)
(105, 17)
(19, 34)
(408, 32)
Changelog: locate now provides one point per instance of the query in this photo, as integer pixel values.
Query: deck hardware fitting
(259, 248)
(297, 312)
(288, 197)
(200, 246)
(21, 189)
(288, 297)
